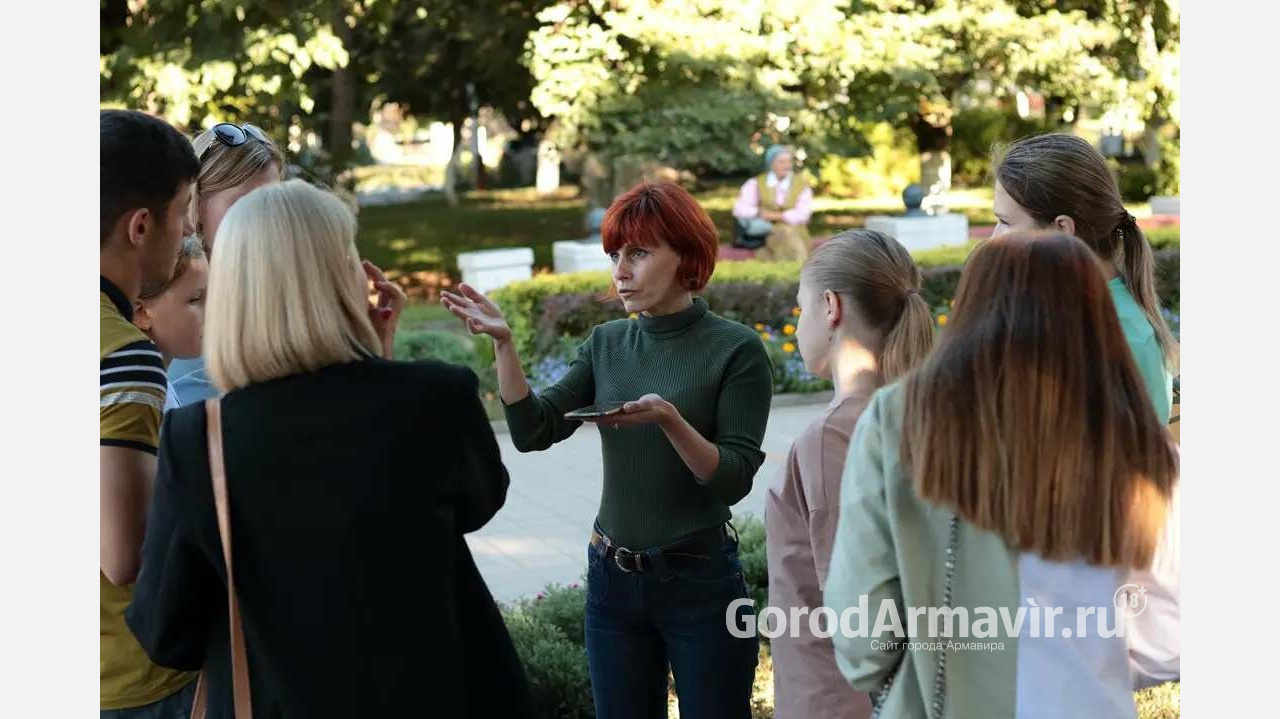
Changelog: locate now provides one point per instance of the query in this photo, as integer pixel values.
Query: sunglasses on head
(235, 135)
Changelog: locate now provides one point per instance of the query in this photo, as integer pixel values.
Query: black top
(350, 491)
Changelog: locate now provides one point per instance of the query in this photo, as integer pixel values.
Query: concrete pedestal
(1165, 205)
(579, 256)
(924, 231)
(490, 269)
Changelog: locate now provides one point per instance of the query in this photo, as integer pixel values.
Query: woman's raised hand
(479, 313)
(385, 314)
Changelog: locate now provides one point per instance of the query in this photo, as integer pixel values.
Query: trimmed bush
(436, 345)
(550, 314)
(555, 667)
(751, 551)
(560, 606)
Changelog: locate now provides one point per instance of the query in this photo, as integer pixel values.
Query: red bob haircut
(654, 212)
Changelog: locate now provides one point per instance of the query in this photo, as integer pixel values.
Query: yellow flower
(788, 347)
(766, 336)
(789, 330)
(795, 312)
(942, 320)
(759, 326)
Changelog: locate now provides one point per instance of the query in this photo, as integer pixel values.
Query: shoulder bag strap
(939, 704)
(218, 473)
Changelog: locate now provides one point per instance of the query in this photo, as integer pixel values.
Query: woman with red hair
(682, 445)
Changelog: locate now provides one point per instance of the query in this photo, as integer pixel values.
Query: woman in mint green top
(1019, 468)
(1059, 181)
(681, 446)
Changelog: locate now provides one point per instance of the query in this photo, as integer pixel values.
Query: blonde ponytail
(877, 274)
(910, 339)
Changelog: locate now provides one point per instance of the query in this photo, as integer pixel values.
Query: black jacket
(350, 489)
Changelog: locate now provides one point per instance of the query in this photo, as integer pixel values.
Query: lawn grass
(418, 242)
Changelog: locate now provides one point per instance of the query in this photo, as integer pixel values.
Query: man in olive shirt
(148, 172)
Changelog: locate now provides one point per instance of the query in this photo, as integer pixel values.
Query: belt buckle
(618, 553)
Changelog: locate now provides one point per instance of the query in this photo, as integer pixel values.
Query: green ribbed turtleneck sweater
(716, 373)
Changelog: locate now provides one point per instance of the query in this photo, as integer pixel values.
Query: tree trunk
(342, 115)
(934, 144)
(451, 170)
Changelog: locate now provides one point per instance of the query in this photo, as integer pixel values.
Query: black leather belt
(700, 545)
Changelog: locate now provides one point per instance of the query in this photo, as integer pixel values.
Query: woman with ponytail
(1061, 182)
(862, 323)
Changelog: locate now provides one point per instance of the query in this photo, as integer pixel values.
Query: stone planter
(488, 270)
(1164, 205)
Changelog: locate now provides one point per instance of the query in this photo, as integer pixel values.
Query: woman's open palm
(479, 313)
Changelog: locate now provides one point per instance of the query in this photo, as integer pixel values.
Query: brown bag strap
(239, 659)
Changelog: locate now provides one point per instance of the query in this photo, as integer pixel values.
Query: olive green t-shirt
(131, 383)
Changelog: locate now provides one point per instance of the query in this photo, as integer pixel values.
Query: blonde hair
(876, 273)
(223, 167)
(286, 290)
(191, 250)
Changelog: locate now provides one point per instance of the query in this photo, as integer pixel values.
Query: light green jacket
(891, 544)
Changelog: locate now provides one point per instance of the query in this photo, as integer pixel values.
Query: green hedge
(551, 313)
(437, 345)
(555, 666)
(534, 308)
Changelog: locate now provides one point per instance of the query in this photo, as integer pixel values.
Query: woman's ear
(835, 310)
(1064, 223)
(142, 318)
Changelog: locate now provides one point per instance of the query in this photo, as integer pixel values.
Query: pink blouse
(748, 204)
(801, 512)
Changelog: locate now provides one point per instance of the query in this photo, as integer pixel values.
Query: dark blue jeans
(639, 623)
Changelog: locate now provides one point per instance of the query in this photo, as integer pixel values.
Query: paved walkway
(540, 535)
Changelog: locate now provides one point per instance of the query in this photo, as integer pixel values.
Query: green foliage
(1163, 238)
(977, 132)
(1168, 170)
(891, 164)
(1136, 181)
(276, 64)
(705, 85)
(555, 666)
(560, 606)
(751, 552)
(436, 345)
(550, 314)
(699, 86)
(1168, 271)
(694, 128)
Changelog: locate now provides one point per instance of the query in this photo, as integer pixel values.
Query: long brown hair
(877, 274)
(1059, 174)
(1030, 420)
